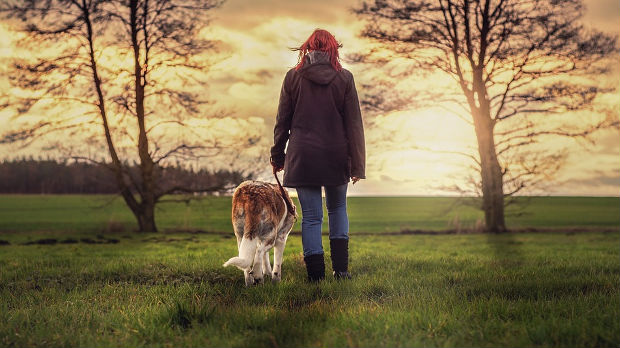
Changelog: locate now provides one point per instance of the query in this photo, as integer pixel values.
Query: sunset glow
(409, 152)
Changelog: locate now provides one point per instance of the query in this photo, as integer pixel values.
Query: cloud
(244, 15)
(255, 55)
(597, 185)
(603, 14)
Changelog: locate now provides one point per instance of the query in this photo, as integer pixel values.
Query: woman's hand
(276, 168)
(274, 164)
(355, 179)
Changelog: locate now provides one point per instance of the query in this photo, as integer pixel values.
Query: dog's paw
(276, 277)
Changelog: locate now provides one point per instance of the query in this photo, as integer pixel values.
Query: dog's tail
(247, 249)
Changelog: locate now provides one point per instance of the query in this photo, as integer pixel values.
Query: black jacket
(319, 115)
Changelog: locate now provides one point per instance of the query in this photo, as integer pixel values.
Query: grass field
(449, 290)
(169, 289)
(75, 213)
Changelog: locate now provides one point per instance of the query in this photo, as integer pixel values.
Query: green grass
(558, 288)
(74, 213)
(527, 290)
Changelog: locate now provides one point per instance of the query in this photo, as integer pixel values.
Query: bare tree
(517, 65)
(135, 68)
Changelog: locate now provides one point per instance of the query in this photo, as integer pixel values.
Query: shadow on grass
(266, 332)
(287, 314)
(160, 275)
(506, 251)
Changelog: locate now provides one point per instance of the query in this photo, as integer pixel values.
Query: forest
(50, 176)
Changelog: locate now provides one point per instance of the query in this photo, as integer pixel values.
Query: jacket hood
(318, 68)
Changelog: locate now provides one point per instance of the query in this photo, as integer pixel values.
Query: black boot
(340, 258)
(315, 265)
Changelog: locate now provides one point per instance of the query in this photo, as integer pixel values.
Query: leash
(289, 205)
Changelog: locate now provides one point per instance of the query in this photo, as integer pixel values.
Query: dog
(261, 220)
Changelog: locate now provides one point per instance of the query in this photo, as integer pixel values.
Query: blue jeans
(312, 215)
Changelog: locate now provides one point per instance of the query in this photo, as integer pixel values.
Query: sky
(256, 37)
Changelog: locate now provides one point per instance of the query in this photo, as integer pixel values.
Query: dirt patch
(169, 240)
(44, 241)
(192, 231)
(53, 241)
(99, 241)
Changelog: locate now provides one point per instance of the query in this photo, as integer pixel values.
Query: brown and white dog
(261, 221)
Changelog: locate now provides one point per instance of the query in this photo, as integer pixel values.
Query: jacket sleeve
(355, 131)
(283, 123)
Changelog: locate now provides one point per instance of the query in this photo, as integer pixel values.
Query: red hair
(320, 40)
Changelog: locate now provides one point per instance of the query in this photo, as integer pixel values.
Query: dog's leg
(238, 226)
(238, 222)
(278, 251)
(249, 278)
(238, 243)
(257, 267)
(267, 264)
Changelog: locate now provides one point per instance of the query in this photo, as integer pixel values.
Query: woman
(319, 116)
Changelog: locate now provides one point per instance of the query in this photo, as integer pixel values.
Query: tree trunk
(146, 218)
(117, 166)
(490, 170)
(492, 179)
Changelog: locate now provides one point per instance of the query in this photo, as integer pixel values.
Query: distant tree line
(49, 176)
